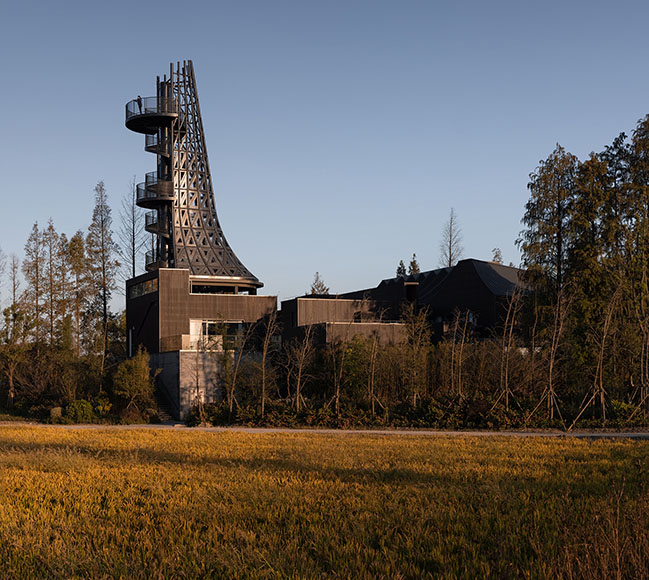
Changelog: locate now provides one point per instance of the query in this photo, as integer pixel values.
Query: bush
(102, 405)
(80, 412)
(55, 414)
(132, 382)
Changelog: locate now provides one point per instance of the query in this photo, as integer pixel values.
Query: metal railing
(154, 225)
(154, 188)
(151, 106)
(151, 257)
(151, 218)
(154, 144)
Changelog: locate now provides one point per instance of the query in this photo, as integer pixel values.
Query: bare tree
(460, 355)
(270, 331)
(418, 341)
(14, 279)
(231, 358)
(597, 392)
(337, 352)
(371, 374)
(299, 355)
(450, 246)
(131, 236)
(3, 265)
(549, 395)
(514, 305)
(641, 312)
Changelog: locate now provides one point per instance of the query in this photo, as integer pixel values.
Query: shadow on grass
(596, 484)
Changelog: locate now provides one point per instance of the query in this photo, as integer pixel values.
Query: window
(142, 288)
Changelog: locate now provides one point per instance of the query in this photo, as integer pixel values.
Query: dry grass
(165, 504)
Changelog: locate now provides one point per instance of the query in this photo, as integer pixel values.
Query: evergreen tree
(33, 269)
(546, 242)
(76, 256)
(592, 280)
(64, 281)
(50, 278)
(401, 270)
(413, 266)
(318, 286)
(14, 335)
(100, 255)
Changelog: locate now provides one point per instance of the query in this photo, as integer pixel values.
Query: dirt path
(593, 435)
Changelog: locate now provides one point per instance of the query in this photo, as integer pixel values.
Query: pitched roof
(501, 280)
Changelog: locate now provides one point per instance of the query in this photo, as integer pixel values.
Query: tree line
(585, 248)
(572, 347)
(60, 344)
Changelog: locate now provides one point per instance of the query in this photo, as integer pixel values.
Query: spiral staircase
(178, 194)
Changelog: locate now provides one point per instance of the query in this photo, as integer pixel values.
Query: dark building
(196, 288)
(335, 318)
(197, 292)
(480, 289)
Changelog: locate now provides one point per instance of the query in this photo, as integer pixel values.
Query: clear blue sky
(340, 132)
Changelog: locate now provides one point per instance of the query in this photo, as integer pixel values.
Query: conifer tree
(33, 270)
(318, 286)
(13, 336)
(401, 270)
(546, 242)
(76, 256)
(64, 285)
(100, 255)
(413, 266)
(50, 277)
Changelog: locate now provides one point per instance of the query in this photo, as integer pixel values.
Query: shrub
(80, 412)
(133, 383)
(102, 405)
(55, 414)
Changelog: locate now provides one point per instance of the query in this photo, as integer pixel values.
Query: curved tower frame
(179, 193)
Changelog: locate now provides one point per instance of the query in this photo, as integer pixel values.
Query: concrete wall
(187, 377)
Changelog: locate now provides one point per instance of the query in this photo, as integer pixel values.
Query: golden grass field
(118, 503)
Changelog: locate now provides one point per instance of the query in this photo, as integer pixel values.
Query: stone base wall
(187, 377)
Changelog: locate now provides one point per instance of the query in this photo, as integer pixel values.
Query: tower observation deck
(178, 194)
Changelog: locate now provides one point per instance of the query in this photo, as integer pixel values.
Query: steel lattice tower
(179, 193)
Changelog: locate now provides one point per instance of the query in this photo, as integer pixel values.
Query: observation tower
(178, 194)
(195, 288)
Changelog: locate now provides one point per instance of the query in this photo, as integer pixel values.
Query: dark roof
(501, 280)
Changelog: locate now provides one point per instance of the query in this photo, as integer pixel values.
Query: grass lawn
(164, 504)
